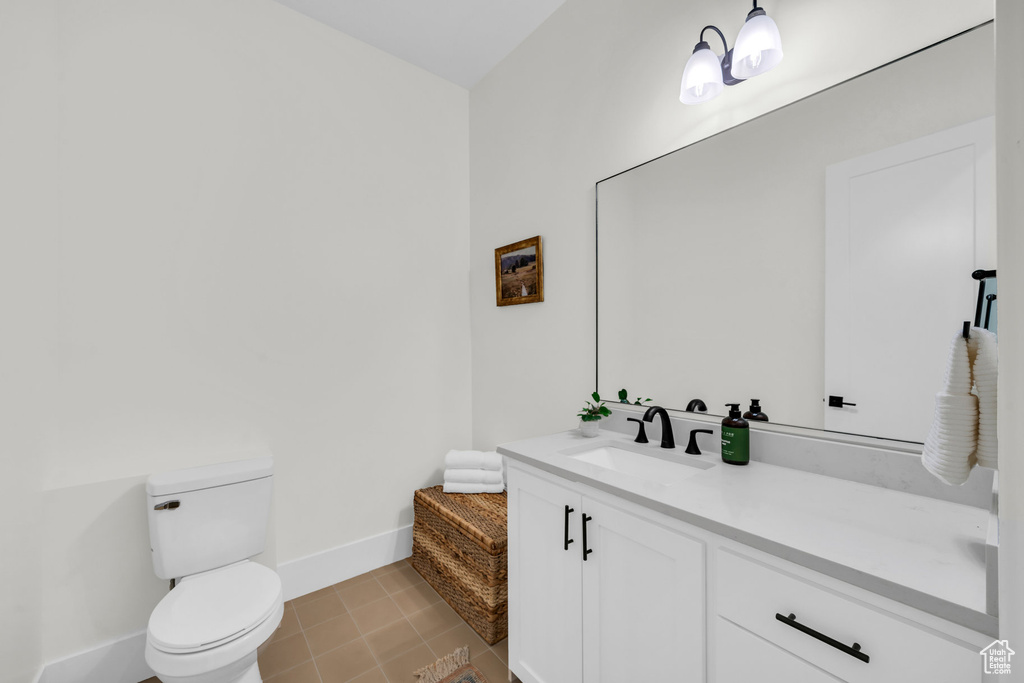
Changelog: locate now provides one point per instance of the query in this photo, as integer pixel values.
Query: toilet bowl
(204, 525)
(207, 629)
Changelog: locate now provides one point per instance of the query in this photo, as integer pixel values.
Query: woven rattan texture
(459, 548)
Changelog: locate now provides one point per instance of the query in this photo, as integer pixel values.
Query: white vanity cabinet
(775, 618)
(632, 610)
(659, 599)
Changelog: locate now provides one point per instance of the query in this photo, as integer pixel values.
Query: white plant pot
(589, 428)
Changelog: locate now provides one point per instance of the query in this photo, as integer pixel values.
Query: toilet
(204, 525)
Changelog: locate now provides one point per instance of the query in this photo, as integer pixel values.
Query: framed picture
(519, 272)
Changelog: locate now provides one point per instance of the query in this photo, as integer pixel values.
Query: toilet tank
(208, 517)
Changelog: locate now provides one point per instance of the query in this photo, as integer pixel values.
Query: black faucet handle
(692, 447)
(641, 436)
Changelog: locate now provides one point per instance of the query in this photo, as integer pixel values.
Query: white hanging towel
(984, 370)
(949, 449)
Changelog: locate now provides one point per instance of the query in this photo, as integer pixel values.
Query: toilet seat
(211, 609)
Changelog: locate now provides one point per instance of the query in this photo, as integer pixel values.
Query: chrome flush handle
(169, 505)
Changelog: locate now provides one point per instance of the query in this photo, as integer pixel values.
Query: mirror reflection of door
(905, 228)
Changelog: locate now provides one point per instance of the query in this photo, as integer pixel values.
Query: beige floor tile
(412, 600)
(434, 620)
(493, 669)
(376, 614)
(289, 627)
(354, 580)
(342, 664)
(319, 611)
(401, 668)
(361, 593)
(303, 673)
(315, 595)
(331, 634)
(455, 638)
(388, 568)
(371, 676)
(500, 648)
(284, 654)
(400, 579)
(393, 640)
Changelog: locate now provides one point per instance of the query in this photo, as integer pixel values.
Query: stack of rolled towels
(963, 431)
(473, 472)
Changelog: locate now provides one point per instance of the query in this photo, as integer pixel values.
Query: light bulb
(702, 77)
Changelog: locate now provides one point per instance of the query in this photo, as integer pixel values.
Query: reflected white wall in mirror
(711, 269)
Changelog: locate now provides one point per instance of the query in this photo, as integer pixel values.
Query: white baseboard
(123, 661)
(311, 573)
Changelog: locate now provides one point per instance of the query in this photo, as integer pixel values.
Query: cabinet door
(643, 600)
(544, 611)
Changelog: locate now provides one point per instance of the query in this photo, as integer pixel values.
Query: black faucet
(696, 406)
(667, 441)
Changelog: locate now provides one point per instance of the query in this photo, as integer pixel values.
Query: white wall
(263, 242)
(27, 305)
(593, 92)
(1010, 169)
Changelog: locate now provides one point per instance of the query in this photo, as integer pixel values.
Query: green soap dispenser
(735, 437)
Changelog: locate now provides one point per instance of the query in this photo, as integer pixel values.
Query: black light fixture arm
(727, 77)
(720, 35)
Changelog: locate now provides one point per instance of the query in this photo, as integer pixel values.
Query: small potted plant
(624, 398)
(591, 415)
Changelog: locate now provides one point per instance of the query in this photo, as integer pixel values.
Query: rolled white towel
(468, 476)
(473, 460)
(985, 369)
(457, 487)
(952, 440)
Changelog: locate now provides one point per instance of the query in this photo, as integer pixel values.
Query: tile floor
(374, 628)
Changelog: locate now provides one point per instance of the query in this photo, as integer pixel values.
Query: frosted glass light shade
(758, 47)
(702, 77)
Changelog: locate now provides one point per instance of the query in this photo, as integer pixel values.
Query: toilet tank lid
(221, 474)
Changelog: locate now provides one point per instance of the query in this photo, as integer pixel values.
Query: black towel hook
(967, 329)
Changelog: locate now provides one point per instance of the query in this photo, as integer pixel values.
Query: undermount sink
(641, 461)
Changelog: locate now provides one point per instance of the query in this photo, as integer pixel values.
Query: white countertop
(923, 552)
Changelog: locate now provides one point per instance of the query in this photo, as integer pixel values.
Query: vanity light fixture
(758, 49)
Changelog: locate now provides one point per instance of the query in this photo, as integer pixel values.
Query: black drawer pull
(586, 550)
(567, 539)
(852, 651)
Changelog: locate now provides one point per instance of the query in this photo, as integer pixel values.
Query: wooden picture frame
(519, 272)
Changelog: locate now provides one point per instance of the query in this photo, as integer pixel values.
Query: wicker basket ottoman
(460, 547)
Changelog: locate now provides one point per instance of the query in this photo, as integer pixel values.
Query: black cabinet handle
(567, 539)
(586, 550)
(853, 651)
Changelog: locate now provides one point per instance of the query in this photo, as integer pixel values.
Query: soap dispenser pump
(735, 437)
(755, 411)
